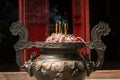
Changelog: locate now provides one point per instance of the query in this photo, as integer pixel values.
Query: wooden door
(34, 14)
(80, 16)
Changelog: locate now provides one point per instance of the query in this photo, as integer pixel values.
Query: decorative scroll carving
(17, 29)
(59, 69)
(102, 29)
(28, 44)
(63, 45)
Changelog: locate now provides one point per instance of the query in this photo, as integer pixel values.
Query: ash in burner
(60, 37)
(61, 34)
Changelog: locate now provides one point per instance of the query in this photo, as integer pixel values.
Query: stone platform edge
(97, 75)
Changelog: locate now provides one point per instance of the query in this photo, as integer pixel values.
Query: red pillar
(81, 25)
(34, 15)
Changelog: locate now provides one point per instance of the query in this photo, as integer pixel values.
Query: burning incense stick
(60, 27)
(56, 27)
(65, 28)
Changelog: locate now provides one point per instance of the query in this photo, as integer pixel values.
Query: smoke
(56, 15)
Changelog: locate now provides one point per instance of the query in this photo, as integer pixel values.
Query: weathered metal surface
(60, 61)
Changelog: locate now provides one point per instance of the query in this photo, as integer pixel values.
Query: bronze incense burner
(60, 61)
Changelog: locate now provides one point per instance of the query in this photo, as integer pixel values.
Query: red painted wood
(37, 19)
(80, 12)
(81, 18)
(87, 21)
(87, 24)
(34, 15)
(22, 21)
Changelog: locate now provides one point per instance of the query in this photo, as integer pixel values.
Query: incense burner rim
(61, 45)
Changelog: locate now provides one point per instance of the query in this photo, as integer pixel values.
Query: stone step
(105, 74)
(97, 75)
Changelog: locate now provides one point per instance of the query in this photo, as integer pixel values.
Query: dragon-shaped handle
(17, 29)
(102, 29)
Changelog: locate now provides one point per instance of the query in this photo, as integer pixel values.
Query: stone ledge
(15, 76)
(97, 75)
(105, 74)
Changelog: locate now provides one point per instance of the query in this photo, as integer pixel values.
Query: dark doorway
(108, 11)
(61, 10)
(8, 14)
